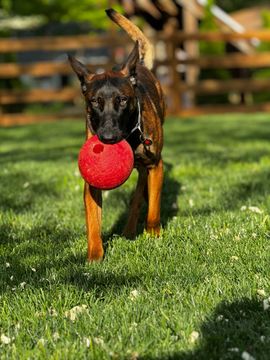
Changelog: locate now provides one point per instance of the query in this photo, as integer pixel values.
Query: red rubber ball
(105, 166)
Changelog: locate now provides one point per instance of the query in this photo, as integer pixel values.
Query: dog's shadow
(169, 208)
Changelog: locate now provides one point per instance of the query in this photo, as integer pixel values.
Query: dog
(126, 103)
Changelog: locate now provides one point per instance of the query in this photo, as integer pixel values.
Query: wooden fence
(174, 84)
(229, 61)
(70, 93)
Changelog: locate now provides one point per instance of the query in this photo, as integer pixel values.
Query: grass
(195, 293)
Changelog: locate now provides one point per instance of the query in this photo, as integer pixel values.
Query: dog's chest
(144, 156)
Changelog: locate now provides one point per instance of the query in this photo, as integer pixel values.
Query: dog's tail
(145, 47)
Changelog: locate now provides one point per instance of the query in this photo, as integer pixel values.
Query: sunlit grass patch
(200, 291)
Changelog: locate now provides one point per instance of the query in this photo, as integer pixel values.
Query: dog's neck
(139, 127)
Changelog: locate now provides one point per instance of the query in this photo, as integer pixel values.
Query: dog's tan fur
(148, 159)
(146, 48)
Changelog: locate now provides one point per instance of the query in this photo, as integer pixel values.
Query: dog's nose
(108, 137)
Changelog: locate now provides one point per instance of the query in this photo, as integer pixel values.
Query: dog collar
(144, 140)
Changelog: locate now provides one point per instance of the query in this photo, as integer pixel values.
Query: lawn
(200, 291)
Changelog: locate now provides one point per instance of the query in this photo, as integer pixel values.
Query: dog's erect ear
(80, 69)
(129, 67)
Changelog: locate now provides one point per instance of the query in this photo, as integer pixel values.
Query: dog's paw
(129, 236)
(153, 229)
(95, 254)
(129, 233)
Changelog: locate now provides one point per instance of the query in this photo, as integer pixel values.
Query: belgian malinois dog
(126, 103)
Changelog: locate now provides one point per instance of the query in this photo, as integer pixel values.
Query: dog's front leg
(135, 206)
(155, 181)
(93, 207)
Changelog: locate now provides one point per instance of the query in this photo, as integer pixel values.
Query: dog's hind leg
(155, 181)
(93, 206)
(136, 202)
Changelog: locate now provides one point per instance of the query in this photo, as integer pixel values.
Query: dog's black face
(110, 99)
(111, 104)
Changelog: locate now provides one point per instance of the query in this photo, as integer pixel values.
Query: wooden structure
(174, 87)
(251, 18)
(69, 94)
(178, 61)
(227, 61)
(171, 16)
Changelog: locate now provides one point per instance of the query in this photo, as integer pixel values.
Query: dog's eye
(94, 101)
(123, 100)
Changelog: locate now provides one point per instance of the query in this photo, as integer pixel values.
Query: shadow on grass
(55, 153)
(39, 247)
(46, 249)
(46, 242)
(101, 281)
(233, 328)
(215, 141)
(238, 128)
(246, 191)
(189, 138)
(254, 186)
(42, 142)
(19, 192)
(170, 192)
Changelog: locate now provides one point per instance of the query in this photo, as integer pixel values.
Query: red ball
(105, 166)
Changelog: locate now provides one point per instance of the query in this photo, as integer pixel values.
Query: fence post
(174, 98)
(190, 25)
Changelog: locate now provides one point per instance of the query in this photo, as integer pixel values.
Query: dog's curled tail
(145, 47)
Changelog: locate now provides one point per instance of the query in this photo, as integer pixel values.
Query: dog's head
(110, 98)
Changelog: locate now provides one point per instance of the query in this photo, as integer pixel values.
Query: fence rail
(175, 84)
(46, 43)
(263, 35)
(234, 62)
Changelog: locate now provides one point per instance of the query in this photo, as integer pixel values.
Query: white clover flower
(262, 338)
(52, 312)
(87, 342)
(220, 317)
(246, 356)
(56, 336)
(99, 341)
(254, 209)
(194, 336)
(261, 292)
(73, 313)
(266, 304)
(191, 202)
(134, 294)
(23, 284)
(41, 341)
(5, 339)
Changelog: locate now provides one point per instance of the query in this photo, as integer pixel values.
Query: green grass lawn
(198, 292)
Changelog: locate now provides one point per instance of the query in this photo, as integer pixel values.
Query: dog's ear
(129, 67)
(81, 70)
